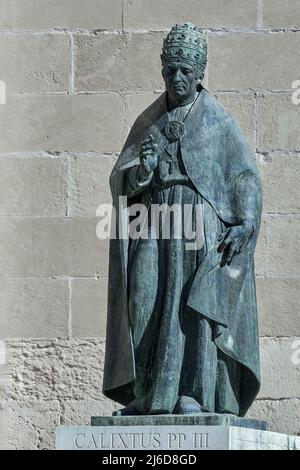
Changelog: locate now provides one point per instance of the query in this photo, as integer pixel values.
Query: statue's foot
(187, 406)
(126, 412)
(227, 412)
(159, 411)
(129, 410)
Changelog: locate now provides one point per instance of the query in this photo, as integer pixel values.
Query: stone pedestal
(173, 433)
(203, 419)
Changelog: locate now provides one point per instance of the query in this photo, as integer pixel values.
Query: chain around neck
(179, 108)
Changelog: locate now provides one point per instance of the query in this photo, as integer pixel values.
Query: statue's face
(180, 80)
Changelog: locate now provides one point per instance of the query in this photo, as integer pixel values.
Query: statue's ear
(199, 85)
(199, 81)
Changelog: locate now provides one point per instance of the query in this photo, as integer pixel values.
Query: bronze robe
(221, 166)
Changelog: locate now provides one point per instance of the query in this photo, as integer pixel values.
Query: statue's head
(183, 58)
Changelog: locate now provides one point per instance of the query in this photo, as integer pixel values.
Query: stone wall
(77, 73)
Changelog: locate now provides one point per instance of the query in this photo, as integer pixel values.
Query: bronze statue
(182, 334)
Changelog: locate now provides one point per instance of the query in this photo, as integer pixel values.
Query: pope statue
(182, 333)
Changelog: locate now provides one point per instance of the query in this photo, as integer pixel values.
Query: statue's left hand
(233, 240)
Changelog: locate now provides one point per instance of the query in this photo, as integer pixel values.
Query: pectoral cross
(170, 161)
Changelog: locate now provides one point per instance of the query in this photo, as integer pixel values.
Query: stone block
(117, 62)
(47, 247)
(216, 14)
(78, 413)
(33, 186)
(35, 63)
(67, 14)
(3, 428)
(58, 123)
(261, 250)
(281, 415)
(278, 14)
(283, 245)
(32, 425)
(280, 368)
(241, 61)
(280, 178)
(89, 305)
(278, 306)
(89, 183)
(278, 123)
(55, 370)
(137, 103)
(34, 308)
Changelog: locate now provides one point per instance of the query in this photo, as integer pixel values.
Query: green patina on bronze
(182, 334)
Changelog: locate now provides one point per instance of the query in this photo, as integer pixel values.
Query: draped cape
(221, 166)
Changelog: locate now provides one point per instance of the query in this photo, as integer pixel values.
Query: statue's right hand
(148, 156)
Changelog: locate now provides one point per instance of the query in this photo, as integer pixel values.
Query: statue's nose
(177, 77)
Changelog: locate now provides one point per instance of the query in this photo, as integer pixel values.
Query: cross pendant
(170, 161)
